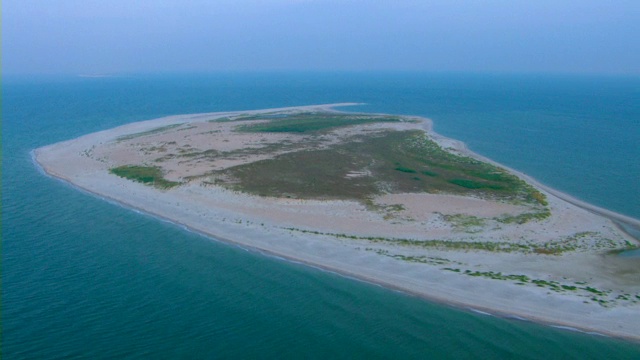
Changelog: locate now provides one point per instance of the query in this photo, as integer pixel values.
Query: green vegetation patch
(144, 174)
(498, 276)
(406, 170)
(605, 298)
(311, 122)
(472, 184)
(525, 217)
(466, 223)
(575, 242)
(398, 161)
(490, 246)
(269, 115)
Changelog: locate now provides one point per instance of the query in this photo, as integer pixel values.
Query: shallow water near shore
(86, 278)
(631, 253)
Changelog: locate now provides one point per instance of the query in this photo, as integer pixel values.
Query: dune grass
(144, 174)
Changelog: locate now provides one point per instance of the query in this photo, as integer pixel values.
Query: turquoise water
(631, 253)
(85, 278)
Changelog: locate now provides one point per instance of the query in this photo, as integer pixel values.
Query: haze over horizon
(120, 36)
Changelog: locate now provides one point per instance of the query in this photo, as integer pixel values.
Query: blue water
(84, 278)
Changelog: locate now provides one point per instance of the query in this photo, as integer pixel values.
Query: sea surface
(86, 278)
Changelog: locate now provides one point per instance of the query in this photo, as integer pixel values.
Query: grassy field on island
(367, 165)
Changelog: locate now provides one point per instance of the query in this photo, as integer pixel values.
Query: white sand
(260, 223)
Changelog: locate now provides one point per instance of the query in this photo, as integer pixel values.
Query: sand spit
(447, 248)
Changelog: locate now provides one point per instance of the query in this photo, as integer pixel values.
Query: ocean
(86, 278)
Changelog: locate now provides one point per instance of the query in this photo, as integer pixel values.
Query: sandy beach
(585, 288)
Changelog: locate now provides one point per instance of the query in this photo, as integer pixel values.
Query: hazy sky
(130, 36)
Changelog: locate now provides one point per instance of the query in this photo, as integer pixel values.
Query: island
(378, 197)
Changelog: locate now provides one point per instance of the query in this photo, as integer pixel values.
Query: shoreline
(387, 282)
(615, 217)
(462, 306)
